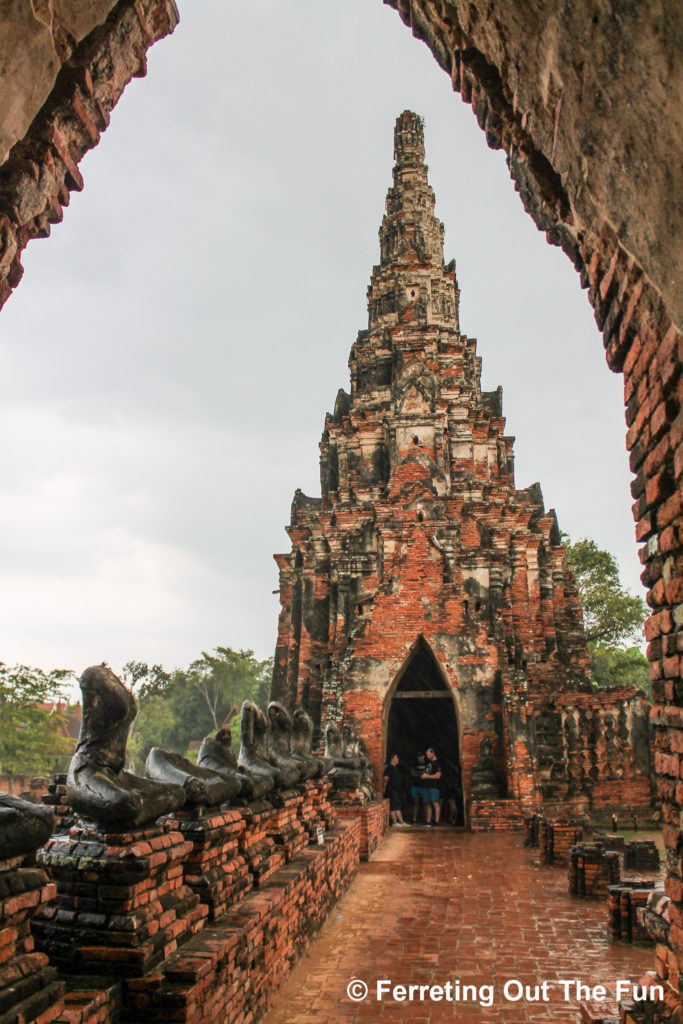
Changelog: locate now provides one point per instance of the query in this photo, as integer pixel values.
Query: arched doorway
(422, 713)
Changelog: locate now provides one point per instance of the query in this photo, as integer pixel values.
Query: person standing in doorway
(393, 787)
(432, 781)
(417, 788)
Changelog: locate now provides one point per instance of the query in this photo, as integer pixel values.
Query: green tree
(613, 618)
(31, 735)
(615, 667)
(186, 704)
(611, 615)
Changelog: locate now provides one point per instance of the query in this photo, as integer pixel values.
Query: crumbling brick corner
(88, 76)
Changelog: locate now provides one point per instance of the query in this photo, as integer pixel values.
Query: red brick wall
(169, 912)
(374, 824)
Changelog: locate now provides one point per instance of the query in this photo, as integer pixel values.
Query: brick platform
(430, 907)
(163, 924)
(215, 869)
(29, 987)
(495, 815)
(122, 906)
(374, 823)
(230, 971)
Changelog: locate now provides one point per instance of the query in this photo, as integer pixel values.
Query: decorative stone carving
(216, 755)
(253, 753)
(23, 826)
(485, 784)
(279, 745)
(201, 786)
(97, 787)
(345, 773)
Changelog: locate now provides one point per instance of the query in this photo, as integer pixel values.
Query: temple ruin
(585, 102)
(426, 598)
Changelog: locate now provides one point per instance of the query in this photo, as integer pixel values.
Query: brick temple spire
(411, 282)
(423, 567)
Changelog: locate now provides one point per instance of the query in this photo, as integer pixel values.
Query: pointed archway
(422, 713)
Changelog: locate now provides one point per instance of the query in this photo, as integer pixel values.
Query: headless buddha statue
(202, 787)
(279, 745)
(97, 787)
(253, 753)
(302, 742)
(216, 754)
(485, 783)
(24, 826)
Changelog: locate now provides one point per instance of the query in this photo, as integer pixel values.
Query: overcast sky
(171, 352)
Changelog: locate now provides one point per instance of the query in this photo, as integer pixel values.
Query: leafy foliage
(628, 667)
(186, 704)
(613, 618)
(611, 615)
(31, 735)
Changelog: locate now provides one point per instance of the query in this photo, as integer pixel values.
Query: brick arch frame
(421, 640)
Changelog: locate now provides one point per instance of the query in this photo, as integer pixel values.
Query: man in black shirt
(432, 781)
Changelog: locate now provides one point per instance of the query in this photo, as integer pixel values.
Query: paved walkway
(436, 905)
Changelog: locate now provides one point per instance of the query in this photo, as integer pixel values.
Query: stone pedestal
(592, 870)
(256, 846)
(122, 905)
(556, 840)
(373, 818)
(323, 802)
(495, 816)
(284, 825)
(215, 869)
(641, 855)
(309, 810)
(29, 989)
(623, 903)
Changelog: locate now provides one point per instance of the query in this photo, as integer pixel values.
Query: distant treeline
(38, 728)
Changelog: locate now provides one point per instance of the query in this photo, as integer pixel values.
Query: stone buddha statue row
(275, 754)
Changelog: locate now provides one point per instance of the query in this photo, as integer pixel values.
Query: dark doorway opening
(422, 714)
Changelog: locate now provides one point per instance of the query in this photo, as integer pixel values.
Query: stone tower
(426, 598)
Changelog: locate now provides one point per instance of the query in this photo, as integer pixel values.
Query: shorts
(418, 792)
(432, 796)
(394, 800)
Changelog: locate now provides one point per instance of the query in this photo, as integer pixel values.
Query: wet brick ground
(438, 905)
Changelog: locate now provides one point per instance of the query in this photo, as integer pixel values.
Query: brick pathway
(433, 906)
